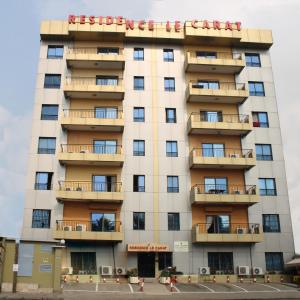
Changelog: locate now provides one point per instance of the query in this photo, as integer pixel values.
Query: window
(171, 149)
(216, 185)
(211, 116)
(165, 260)
(46, 145)
(271, 223)
(263, 152)
(206, 54)
(139, 183)
(169, 84)
(139, 148)
(252, 60)
(84, 262)
(138, 221)
(274, 261)
(43, 180)
(260, 119)
(106, 80)
(139, 114)
(256, 88)
(170, 115)
(204, 84)
(105, 146)
(103, 222)
(221, 262)
(267, 187)
(49, 112)
(52, 81)
(168, 55)
(173, 184)
(173, 221)
(217, 224)
(102, 183)
(104, 50)
(138, 53)
(55, 51)
(106, 112)
(41, 218)
(138, 83)
(213, 150)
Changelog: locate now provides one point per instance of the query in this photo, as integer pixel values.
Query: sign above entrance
(150, 247)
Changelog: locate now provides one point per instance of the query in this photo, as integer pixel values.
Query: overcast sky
(19, 31)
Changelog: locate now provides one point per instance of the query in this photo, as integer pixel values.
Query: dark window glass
(221, 262)
(138, 53)
(102, 183)
(105, 146)
(204, 84)
(171, 148)
(218, 224)
(139, 183)
(168, 55)
(216, 185)
(43, 181)
(271, 223)
(139, 148)
(213, 150)
(169, 84)
(41, 218)
(170, 115)
(173, 221)
(211, 116)
(256, 88)
(55, 51)
(252, 60)
(260, 119)
(138, 114)
(206, 54)
(106, 112)
(263, 152)
(49, 112)
(52, 81)
(46, 145)
(106, 80)
(108, 51)
(103, 222)
(165, 260)
(172, 184)
(84, 262)
(274, 261)
(138, 221)
(138, 82)
(267, 187)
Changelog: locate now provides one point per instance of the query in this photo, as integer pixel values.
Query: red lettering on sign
(141, 25)
(92, 20)
(177, 26)
(72, 19)
(151, 25)
(205, 25)
(119, 20)
(82, 19)
(109, 20)
(228, 25)
(168, 27)
(217, 24)
(129, 24)
(194, 24)
(238, 26)
(100, 20)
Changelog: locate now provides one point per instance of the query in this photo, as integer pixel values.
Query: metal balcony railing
(215, 85)
(224, 189)
(228, 228)
(93, 113)
(97, 50)
(226, 118)
(88, 81)
(222, 152)
(96, 149)
(90, 186)
(202, 54)
(102, 225)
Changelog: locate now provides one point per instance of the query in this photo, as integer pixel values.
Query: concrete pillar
(57, 268)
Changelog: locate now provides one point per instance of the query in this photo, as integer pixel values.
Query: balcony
(89, 58)
(227, 233)
(224, 92)
(95, 155)
(92, 120)
(88, 191)
(220, 158)
(82, 230)
(220, 63)
(205, 194)
(224, 124)
(91, 88)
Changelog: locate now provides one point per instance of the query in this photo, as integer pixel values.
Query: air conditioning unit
(243, 270)
(106, 270)
(241, 230)
(204, 270)
(257, 271)
(67, 271)
(120, 271)
(67, 228)
(80, 227)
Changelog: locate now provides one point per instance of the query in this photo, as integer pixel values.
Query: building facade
(157, 144)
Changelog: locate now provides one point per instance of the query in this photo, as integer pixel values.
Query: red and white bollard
(172, 286)
(214, 279)
(281, 279)
(118, 280)
(189, 279)
(77, 279)
(65, 278)
(254, 280)
(241, 280)
(227, 279)
(104, 280)
(142, 282)
(91, 279)
(268, 279)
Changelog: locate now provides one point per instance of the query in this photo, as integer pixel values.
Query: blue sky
(19, 57)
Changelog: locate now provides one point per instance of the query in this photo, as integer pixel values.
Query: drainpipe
(14, 289)
(114, 259)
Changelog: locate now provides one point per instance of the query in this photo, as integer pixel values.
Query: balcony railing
(95, 50)
(224, 189)
(222, 152)
(94, 81)
(92, 113)
(96, 149)
(218, 55)
(218, 86)
(89, 186)
(226, 118)
(228, 228)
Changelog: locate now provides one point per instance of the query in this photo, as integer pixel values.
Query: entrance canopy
(293, 263)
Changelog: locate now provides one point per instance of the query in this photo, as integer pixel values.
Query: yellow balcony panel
(223, 63)
(88, 231)
(234, 233)
(222, 158)
(95, 155)
(89, 58)
(226, 124)
(233, 93)
(223, 195)
(87, 88)
(86, 191)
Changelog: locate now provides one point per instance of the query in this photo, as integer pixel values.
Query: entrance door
(146, 264)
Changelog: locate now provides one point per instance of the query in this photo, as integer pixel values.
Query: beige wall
(229, 109)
